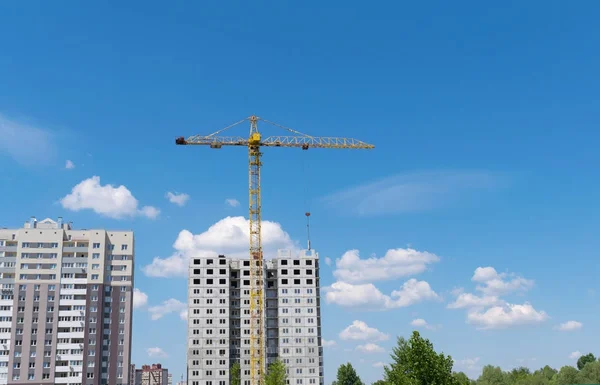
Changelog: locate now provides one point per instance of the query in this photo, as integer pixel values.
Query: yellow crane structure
(254, 142)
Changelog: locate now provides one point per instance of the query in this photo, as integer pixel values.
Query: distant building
(153, 374)
(132, 374)
(182, 382)
(66, 304)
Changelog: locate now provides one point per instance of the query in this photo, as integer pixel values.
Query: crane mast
(254, 143)
(257, 354)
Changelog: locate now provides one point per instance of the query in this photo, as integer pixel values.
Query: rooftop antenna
(308, 228)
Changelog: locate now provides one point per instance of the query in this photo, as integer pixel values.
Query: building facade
(131, 374)
(219, 318)
(66, 304)
(153, 374)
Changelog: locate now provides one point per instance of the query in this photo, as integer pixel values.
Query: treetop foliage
(276, 373)
(346, 375)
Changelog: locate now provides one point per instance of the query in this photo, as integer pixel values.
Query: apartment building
(219, 318)
(132, 374)
(66, 304)
(153, 374)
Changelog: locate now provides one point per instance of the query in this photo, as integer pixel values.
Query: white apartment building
(219, 318)
(66, 304)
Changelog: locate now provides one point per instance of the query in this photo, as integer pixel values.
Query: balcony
(7, 247)
(78, 250)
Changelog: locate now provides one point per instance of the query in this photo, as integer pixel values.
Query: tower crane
(254, 142)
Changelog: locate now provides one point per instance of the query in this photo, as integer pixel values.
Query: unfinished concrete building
(218, 318)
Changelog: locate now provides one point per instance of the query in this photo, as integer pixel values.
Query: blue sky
(484, 119)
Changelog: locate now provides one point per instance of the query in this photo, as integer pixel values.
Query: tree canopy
(415, 362)
(584, 360)
(462, 379)
(235, 377)
(276, 373)
(346, 375)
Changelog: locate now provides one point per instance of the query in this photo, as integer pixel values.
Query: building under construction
(153, 374)
(219, 318)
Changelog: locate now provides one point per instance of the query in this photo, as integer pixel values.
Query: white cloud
(526, 360)
(394, 264)
(183, 315)
(69, 165)
(328, 261)
(421, 323)
(575, 355)
(468, 300)
(378, 364)
(229, 236)
(490, 311)
(470, 366)
(232, 202)
(370, 348)
(412, 292)
(570, 326)
(468, 362)
(25, 143)
(140, 299)
(149, 212)
(108, 200)
(360, 331)
(364, 296)
(494, 284)
(167, 307)
(411, 192)
(156, 352)
(500, 317)
(367, 296)
(328, 343)
(180, 199)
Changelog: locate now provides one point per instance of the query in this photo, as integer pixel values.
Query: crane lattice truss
(254, 142)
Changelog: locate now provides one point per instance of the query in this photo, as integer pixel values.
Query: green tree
(536, 378)
(519, 375)
(492, 375)
(590, 374)
(567, 375)
(346, 375)
(415, 362)
(276, 373)
(546, 372)
(461, 378)
(379, 382)
(539, 377)
(235, 377)
(584, 360)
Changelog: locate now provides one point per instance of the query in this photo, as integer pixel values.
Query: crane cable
(307, 183)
